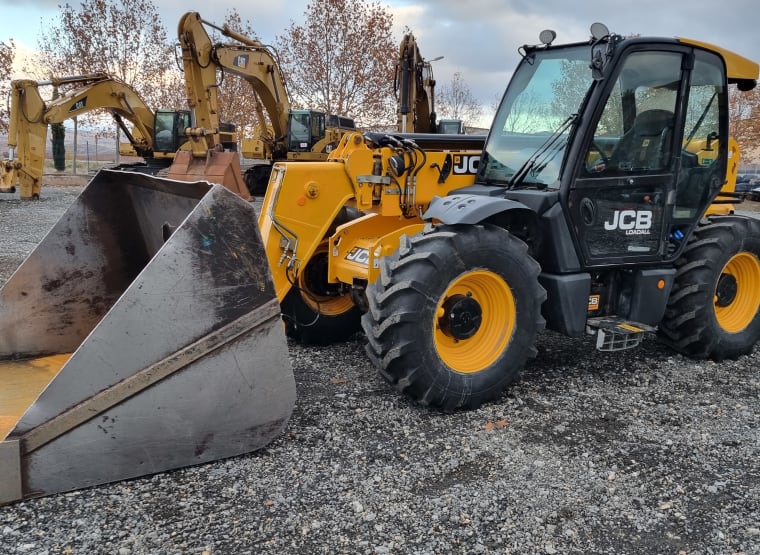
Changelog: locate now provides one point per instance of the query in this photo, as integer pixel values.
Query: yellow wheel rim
(465, 345)
(736, 309)
(313, 279)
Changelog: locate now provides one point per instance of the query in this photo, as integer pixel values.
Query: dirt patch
(64, 180)
(749, 206)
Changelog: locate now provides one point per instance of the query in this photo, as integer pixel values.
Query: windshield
(530, 130)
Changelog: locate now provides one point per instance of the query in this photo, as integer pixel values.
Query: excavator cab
(170, 128)
(450, 126)
(305, 129)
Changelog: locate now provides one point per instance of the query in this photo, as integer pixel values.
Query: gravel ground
(640, 452)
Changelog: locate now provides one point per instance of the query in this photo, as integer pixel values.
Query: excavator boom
(251, 61)
(414, 85)
(415, 89)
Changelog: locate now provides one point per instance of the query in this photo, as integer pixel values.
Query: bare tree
(342, 60)
(7, 53)
(745, 122)
(124, 38)
(456, 101)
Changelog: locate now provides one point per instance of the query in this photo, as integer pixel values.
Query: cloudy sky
(478, 38)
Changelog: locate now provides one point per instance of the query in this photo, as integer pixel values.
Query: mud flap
(150, 312)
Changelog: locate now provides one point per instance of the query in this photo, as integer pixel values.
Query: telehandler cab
(585, 212)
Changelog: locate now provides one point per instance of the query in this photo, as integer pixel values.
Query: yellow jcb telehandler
(585, 212)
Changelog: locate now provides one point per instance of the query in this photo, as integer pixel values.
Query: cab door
(628, 198)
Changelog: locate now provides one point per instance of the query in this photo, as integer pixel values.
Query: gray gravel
(640, 452)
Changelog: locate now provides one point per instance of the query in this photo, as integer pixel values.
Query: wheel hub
(314, 278)
(725, 292)
(461, 317)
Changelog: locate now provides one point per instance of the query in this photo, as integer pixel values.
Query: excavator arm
(250, 60)
(415, 93)
(415, 89)
(30, 116)
(281, 133)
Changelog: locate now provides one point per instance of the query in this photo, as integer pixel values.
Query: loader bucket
(141, 334)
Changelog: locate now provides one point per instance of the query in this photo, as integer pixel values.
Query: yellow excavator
(282, 133)
(414, 86)
(154, 136)
(144, 332)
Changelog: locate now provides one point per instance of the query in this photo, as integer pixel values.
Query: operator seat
(648, 144)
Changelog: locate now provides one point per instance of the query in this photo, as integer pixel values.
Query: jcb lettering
(360, 256)
(633, 222)
(466, 165)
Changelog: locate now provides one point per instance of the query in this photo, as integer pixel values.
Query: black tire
(454, 315)
(316, 312)
(257, 178)
(714, 307)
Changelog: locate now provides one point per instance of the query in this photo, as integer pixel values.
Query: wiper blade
(530, 163)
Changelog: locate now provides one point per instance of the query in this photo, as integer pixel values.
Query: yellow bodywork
(303, 199)
(738, 68)
(725, 202)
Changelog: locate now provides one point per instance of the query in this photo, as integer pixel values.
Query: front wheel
(454, 315)
(714, 308)
(317, 312)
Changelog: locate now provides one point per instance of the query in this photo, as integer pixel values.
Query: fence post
(76, 130)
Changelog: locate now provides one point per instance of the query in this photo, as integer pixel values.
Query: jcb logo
(360, 256)
(633, 222)
(466, 164)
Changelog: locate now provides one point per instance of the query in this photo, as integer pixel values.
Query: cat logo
(466, 164)
(78, 105)
(241, 61)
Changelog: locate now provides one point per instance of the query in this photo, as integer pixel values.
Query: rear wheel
(454, 315)
(318, 312)
(714, 308)
(257, 178)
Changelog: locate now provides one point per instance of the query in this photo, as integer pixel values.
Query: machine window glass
(635, 131)
(703, 138)
(299, 131)
(317, 127)
(534, 120)
(164, 130)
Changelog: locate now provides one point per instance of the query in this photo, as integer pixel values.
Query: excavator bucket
(141, 334)
(217, 167)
